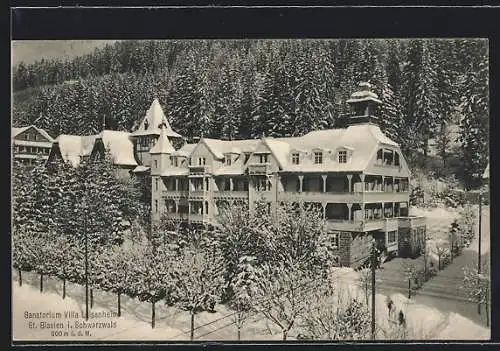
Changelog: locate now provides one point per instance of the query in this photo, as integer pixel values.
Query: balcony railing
(311, 196)
(198, 193)
(231, 194)
(174, 194)
(259, 169)
(356, 225)
(203, 169)
(198, 218)
(386, 196)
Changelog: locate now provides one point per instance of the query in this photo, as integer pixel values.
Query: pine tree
(474, 131)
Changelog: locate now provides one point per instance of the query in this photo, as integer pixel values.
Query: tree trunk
(284, 335)
(91, 298)
(192, 325)
(41, 282)
(119, 305)
(152, 315)
(409, 288)
(64, 288)
(20, 276)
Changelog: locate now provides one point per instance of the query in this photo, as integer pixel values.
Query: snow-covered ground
(439, 220)
(423, 322)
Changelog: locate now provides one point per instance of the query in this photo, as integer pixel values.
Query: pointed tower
(160, 160)
(148, 132)
(160, 153)
(364, 105)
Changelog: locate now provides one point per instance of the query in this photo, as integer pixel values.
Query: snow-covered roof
(73, 147)
(185, 150)
(221, 147)
(120, 146)
(163, 145)
(364, 94)
(140, 168)
(18, 130)
(152, 122)
(175, 172)
(361, 139)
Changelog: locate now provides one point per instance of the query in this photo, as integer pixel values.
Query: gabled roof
(154, 119)
(73, 147)
(18, 130)
(185, 150)
(120, 146)
(220, 147)
(163, 145)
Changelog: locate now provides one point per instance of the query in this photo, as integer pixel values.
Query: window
(156, 184)
(263, 184)
(228, 160)
(396, 158)
(201, 161)
(156, 163)
(171, 160)
(318, 157)
(335, 238)
(146, 125)
(343, 156)
(263, 158)
(295, 158)
(156, 205)
(391, 237)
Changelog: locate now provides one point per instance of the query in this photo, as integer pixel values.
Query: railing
(174, 194)
(197, 193)
(386, 196)
(203, 169)
(259, 168)
(231, 194)
(198, 218)
(320, 196)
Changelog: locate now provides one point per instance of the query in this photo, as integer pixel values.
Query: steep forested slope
(249, 88)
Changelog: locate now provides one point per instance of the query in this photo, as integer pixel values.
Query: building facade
(30, 144)
(355, 174)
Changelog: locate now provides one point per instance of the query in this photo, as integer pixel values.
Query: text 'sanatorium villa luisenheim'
(355, 174)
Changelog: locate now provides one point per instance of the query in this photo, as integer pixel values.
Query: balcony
(411, 221)
(198, 194)
(320, 197)
(356, 225)
(174, 194)
(199, 170)
(198, 218)
(382, 196)
(231, 194)
(259, 169)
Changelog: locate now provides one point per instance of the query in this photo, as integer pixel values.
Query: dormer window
(146, 125)
(342, 156)
(201, 161)
(263, 158)
(318, 157)
(295, 158)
